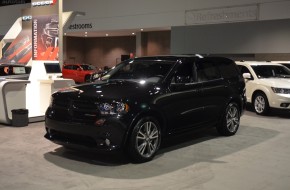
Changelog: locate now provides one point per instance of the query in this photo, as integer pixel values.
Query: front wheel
(230, 120)
(261, 104)
(145, 140)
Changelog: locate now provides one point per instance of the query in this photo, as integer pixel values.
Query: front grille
(78, 110)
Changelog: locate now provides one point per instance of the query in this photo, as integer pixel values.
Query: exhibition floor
(256, 158)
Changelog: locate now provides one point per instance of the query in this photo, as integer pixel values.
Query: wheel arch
(257, 92)
(148, 113)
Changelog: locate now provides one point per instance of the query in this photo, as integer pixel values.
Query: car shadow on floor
(176, 153)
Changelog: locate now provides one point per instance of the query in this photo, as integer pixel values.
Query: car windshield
(87, 67)
(270, 71)
(286, 65)
(147, 70)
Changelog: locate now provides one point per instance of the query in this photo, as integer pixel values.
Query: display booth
(44, 80)
(12, 96)
(34, 40)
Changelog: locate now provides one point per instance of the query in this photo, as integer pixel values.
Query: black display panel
(52, 68)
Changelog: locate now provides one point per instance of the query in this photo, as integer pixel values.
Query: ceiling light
(133, 33)
(86, 32)
(141, 29)
(107, 34)
(86, 35)
(65, 34)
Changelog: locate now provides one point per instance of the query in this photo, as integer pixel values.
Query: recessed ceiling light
(107, 34)
(133, 33)
(65, 34)
(86, 35)
(141, 29)
(86, 32)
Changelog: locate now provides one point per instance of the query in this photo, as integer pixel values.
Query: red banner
(45, 37)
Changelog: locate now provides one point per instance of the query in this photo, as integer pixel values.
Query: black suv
(143, 100)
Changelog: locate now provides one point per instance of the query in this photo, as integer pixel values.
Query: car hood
(112, 89)
(276, 82)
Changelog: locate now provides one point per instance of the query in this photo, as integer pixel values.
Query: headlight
(281, 90)
(113, 108)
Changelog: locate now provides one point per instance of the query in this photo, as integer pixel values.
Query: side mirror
(79, 69)
(247, 76)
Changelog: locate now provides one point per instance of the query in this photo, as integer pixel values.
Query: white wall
(8, 15)
(272, 36)
(129, 14)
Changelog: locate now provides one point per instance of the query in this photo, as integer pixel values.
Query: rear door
(214, 92)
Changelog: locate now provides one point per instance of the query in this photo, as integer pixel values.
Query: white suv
(267, 85)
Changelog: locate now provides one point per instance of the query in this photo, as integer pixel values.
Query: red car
(78, 72)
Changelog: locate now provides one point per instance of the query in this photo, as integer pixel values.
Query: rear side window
(207, 71)
(228, 69)
(75, 67)
(67, 66)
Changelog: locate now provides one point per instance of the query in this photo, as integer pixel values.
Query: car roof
(177, 57)
(255, 63)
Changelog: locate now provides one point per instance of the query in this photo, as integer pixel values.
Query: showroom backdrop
(182, 24)
(106, 51)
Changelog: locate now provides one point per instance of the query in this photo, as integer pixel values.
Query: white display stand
(12, 96)
(41, 86)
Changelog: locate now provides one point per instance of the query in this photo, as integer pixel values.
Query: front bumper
(106, 135)
(280, 101)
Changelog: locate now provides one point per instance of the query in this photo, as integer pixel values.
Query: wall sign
(13, 2)
(80, 26)
(43, 3)
(26, 18)
(221, 15)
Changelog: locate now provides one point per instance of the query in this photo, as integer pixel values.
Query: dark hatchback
(143, 100)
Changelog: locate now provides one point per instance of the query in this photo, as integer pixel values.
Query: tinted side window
(206, 71)
(228, 69)
(243, 69)
(67, 66)
(184, 73)
(74, 67)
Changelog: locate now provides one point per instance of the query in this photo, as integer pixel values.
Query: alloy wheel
(147, 139)
(260, 104)
(232, 119)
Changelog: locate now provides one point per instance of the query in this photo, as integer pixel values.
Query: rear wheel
(145, 140)
(231, 120)
(261, 104)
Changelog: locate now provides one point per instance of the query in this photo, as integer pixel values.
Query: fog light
(108, 142)
(284, 105)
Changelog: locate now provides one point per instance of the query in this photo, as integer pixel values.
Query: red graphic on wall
(19, 51)
(45, 37)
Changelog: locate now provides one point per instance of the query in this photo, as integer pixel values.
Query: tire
(230, 120)
(87, 78)
(144, 140)
(261, 104)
